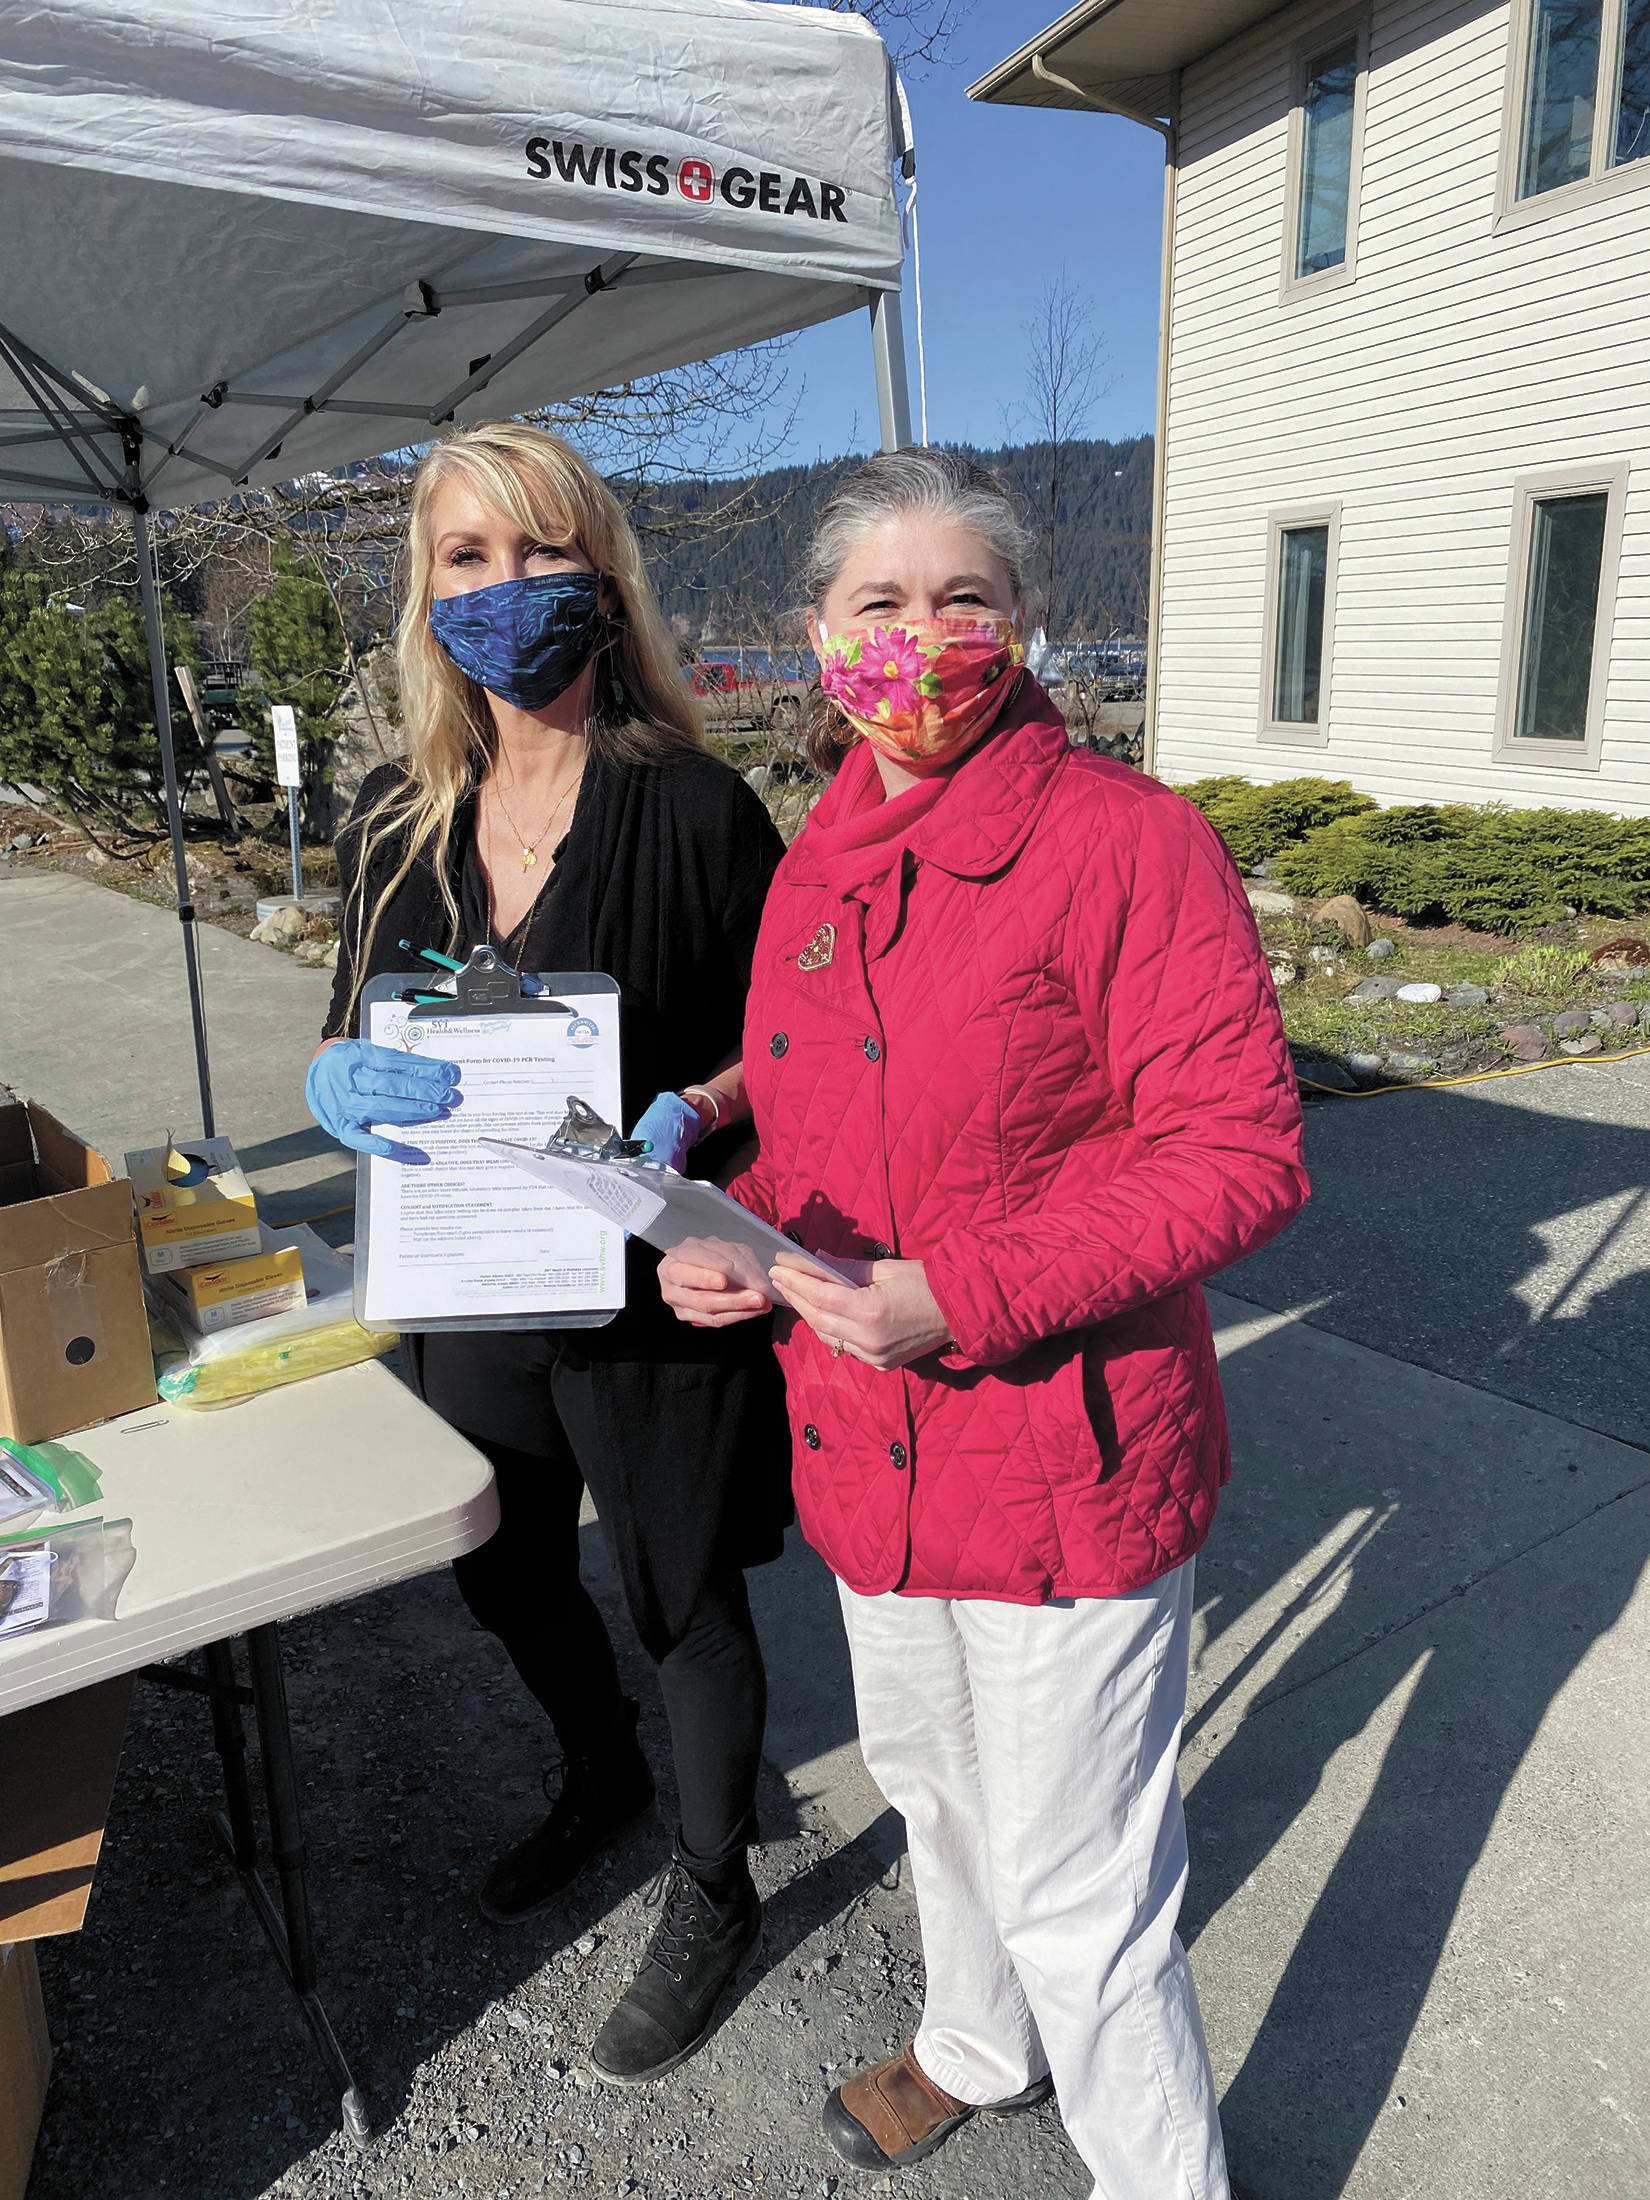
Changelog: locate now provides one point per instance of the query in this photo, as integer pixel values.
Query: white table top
(302, 1497)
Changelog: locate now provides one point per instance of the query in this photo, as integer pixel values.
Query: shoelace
(673, 1889)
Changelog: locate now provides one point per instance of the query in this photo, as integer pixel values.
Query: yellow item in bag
(238, 1363)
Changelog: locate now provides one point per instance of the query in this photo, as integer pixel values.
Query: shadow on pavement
(1464, 1681)
(1503, 1242)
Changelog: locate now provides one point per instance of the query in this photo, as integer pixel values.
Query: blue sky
(1009, 198)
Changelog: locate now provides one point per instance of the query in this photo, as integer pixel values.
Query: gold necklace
(530, 848)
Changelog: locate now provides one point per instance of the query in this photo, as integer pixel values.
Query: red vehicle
(740, 700)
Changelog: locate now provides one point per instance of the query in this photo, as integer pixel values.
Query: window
(1327, 108)
(1300, 594)
(1325, 132)
(1560, 597)
(1586, 92)
(1560, 616)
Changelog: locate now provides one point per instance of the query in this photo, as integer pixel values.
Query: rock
(1324, 957)
(1379, 950)
(1283, 973)
(329, 961)
(1569, 1021)
(1524, 1042)
(1617, 1012)
(1332, 1074)
(1266, 901)
(1588, 1043)
(1364, 1065)
(1423, 993)
(1644, 1015)
(1466, 996)
(1348, 918)
(1398, 1060)
(19, 841)
(281, 926)
(1373, 989)
(759, 778)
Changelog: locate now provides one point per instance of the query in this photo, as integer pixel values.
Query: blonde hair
(643, 709)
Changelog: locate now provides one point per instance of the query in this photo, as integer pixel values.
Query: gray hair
(944, 483)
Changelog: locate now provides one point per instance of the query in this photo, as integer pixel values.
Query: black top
(660, 883)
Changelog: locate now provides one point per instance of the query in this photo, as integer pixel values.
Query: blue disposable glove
(355, 1083)
(671, 1125)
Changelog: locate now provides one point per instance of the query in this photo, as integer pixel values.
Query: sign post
(289, 776)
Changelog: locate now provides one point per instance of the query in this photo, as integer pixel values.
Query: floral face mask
(922, 691)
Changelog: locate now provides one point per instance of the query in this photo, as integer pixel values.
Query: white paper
(469, 1236)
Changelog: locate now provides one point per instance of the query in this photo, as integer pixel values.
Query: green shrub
(1260, 822)
(1497, 870)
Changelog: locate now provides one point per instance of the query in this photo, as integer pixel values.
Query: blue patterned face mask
(524, 641)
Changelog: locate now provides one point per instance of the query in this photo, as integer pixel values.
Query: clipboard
(486, 986)
(655, 1202)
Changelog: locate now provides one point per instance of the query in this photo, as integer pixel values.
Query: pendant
(528, 858)
(819, 950)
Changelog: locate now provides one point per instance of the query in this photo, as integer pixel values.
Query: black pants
(523, 1586)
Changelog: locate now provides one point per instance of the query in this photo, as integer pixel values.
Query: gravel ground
(184, 2069)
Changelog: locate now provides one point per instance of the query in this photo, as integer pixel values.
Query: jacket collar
(995, 797)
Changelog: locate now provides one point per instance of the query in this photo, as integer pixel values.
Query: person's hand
(703, 1293)
(353, 1083)
(670, 1124)
(888, 1322)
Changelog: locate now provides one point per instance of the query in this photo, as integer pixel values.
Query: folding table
(300, 1498)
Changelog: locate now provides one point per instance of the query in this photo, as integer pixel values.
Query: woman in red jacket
(1011, 1046)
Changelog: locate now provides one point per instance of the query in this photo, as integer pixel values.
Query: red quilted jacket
(1043, 1055)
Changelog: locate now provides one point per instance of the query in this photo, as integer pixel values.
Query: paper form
(469, 1236)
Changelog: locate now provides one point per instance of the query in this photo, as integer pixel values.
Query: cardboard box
(194, 1205)
(58, 1762)
(25, 2065)
(74, 1337)
(227, 1293)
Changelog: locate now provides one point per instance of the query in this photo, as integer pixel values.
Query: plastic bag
(52, 1577)
(238, 1363)
(44, 1478)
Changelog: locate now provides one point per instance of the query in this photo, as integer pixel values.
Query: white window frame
(1285, 520)
(1601, 180)
(1529, 490)
(1334, 32)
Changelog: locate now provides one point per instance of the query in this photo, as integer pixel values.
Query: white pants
(1031, 1751)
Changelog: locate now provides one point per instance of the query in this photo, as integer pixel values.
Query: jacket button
(810, 1436)
(896, 1452)
(879, 1251)
(873, 1052)
(777, 1044)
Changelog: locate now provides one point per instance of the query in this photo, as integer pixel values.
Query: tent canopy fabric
(241, 245)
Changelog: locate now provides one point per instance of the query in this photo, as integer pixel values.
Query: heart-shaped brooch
(819, 949)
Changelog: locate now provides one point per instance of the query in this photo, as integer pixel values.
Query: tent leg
(893, 391)
(174, 812)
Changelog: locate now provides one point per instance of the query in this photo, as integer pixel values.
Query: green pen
(429, 955)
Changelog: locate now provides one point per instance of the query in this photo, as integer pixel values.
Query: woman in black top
(557, 803)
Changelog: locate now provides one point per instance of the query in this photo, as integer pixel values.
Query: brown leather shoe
(894, 2114)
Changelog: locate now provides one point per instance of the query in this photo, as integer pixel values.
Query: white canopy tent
(241, 246)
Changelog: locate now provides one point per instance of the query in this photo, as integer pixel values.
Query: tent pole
(888, 349)
(174, 810)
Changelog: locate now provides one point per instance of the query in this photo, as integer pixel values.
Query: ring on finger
(836, 1346)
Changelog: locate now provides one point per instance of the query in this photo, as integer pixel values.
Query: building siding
(1459, 358)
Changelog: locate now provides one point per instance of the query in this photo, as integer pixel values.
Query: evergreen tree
(77, 714)
(298, 655)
